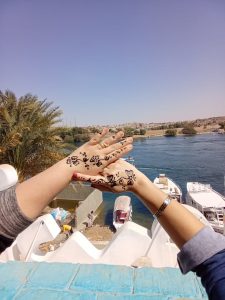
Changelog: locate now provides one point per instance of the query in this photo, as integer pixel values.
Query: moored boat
(209, 202)
(122, 211)
(169, 187)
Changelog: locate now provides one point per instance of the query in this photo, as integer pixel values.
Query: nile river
(183, 158)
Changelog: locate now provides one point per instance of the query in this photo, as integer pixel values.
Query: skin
(121, 176)
(34, 194)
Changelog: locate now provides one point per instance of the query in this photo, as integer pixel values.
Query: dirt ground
(98, 233)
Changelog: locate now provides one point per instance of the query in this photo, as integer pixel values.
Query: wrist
(140, 183)
(145, 189)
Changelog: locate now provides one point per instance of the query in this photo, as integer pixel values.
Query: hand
(117, 177)
(92, 157)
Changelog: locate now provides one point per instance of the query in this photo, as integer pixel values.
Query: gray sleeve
(202, 246)
(12, 220)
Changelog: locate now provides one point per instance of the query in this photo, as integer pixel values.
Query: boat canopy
(122, 203)
(205, 196)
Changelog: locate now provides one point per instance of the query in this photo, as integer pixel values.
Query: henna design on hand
(95, 160)
(72, 160)
(114, 180)
(122, 142)
(75, 160)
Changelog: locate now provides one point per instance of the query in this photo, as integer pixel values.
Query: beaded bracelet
(159, 212)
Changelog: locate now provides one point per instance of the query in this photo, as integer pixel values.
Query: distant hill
(196, 123)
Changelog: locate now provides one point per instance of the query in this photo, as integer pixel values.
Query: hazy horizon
(115, 62)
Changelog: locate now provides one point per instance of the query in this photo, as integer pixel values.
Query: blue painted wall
(37, 281)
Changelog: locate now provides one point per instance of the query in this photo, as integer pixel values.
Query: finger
(118, 145)
(101, 188)
(97, 137)
(89, 178)
(113, 138)
(115, 155)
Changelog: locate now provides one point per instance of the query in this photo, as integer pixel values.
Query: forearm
(34, 194)
(91, 158)
(179, 223)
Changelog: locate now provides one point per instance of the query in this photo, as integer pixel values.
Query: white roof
(204, 195)
(122, 203)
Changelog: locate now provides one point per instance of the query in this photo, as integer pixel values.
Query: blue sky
(116, 61)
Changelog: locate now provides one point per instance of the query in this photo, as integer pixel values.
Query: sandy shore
(98, 233)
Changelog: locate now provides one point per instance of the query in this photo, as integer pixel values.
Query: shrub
(171, 132)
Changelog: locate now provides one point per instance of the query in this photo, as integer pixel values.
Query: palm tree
(27, 133)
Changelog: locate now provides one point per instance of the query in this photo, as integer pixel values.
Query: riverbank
(161, 132)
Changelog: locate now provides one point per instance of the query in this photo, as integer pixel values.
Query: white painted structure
(209, 202)
(131, 243)
(169, 187)
(8, 177)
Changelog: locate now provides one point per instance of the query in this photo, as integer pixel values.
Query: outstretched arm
(202, 249)
(91, 158)
(120, 176)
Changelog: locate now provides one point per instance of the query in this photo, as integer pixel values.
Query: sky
(116, 61)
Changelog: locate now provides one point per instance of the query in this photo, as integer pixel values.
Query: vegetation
(142, 131)
(80, 135)
(128, 131)
(222, 125)
(171, 132)
(28, 138)
(73, 135)
(189, 129)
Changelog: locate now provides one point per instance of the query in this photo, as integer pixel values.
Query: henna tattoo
(95, 160)
(75, 160)
(72, 160)
(122, 142)
(107, 157)
(116, 180)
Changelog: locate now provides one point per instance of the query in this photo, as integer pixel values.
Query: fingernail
(74, 177)
(130, 139)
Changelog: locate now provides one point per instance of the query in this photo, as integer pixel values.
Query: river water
(183, 158)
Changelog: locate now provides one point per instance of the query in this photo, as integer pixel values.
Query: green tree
(94, 130)
(189, 130)
(80, 134)
(136, 132)
(28, 136)
(142, 131)
(128, 131)
(171, 132)
(222, 125)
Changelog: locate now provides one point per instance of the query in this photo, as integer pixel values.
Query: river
(183, 158)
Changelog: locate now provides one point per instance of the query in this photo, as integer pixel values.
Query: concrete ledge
(49, 281)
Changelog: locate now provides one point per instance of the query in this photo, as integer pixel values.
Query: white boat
(122, 211)
(169, 187)
(209, 202)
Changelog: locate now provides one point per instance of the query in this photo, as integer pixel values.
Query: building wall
(23, 281)
(92, 202)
